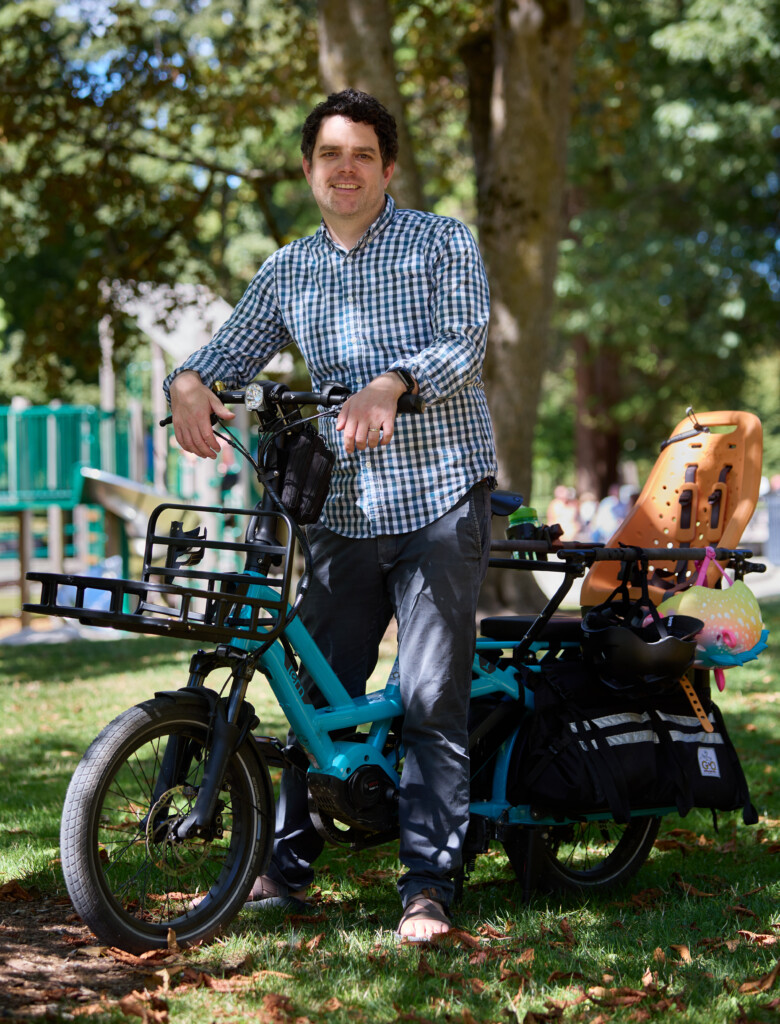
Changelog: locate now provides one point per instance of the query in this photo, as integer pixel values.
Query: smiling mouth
(344, 187)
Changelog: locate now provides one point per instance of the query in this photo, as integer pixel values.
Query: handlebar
(636, 554)
(262, 395)
(580, 556)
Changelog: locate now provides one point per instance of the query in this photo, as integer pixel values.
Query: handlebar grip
(169, 420)
(231, 397)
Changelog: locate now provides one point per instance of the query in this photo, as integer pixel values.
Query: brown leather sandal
(421, 905)
(266, 892)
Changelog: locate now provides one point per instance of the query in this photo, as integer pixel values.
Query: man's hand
(367, 418)
(192, 404)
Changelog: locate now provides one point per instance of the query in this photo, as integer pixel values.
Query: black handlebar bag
(305, 465)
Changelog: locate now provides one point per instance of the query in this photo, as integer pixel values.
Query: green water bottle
(522, 526)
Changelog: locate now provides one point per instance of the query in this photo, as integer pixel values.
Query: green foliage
(669, 267)
(142, 142)
(158, 142)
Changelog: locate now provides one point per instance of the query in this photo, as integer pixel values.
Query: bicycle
(169, 816)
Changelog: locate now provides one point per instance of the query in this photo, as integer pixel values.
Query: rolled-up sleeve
(460, 311)
(253, 333)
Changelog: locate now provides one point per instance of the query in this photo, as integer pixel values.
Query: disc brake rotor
(169, 853)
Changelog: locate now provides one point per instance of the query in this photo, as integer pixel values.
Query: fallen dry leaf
(567, 932)
(644, 898)
(684, 954)
(673, 844)
(277, 1009)
(717, 943)
(762, 984)
(741, 911)
(688, 889)
(761, 938)
(146, 1005)
(489, 932)
(614, 997)
(457, 937)
(14, 892)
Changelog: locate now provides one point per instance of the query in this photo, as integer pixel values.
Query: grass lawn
(697, 934)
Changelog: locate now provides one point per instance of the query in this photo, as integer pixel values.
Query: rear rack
(174, 599)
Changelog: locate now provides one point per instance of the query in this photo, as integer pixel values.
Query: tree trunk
(520, 86)
(597, 437)
(356, 51)
(520, 82)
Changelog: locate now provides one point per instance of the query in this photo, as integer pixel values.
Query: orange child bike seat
(701, 491)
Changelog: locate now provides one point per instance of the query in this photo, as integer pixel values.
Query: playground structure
(77, 482)
(68, 496)
(44, 508)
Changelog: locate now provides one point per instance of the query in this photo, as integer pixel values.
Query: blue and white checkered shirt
(412, 293)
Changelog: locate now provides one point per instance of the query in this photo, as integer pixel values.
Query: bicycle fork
(230, 720)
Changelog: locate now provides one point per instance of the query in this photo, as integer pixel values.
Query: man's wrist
(186, 378)
(394, 381)
(408, 381)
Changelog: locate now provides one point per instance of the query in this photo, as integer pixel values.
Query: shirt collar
(378, 226)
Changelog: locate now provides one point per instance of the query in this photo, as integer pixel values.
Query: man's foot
(266, 892)
(422, 919)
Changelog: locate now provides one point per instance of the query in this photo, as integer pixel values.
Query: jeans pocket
(480, 518)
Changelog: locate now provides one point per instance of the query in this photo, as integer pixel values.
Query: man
(384, 301)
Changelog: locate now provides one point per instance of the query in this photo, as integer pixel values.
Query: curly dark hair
(357, 106)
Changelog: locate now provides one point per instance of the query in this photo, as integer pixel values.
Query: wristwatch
(408, 380)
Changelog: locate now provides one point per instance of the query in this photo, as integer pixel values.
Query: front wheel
(587, 855)
(129, 875)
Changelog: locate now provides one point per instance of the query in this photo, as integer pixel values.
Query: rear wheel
(129, 875)
(587, 855)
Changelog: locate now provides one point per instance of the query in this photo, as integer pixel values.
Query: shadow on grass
(85, 659)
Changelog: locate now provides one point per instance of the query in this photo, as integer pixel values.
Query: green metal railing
(43, 447)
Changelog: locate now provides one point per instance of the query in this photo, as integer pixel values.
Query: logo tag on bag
(708, 763)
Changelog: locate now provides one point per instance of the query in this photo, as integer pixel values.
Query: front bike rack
(173, 598)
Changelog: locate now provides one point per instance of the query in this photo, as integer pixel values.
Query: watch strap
(408, 380)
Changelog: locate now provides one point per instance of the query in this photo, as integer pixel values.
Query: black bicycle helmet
(635, 656)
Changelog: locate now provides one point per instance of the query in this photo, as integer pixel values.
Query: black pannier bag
(587, 749)
(305, 464)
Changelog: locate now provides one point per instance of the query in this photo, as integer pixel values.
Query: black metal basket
(175, 599)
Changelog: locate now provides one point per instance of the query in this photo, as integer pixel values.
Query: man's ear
(387, 172)
(307, 169)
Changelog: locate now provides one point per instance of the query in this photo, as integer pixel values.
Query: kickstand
(532, 841)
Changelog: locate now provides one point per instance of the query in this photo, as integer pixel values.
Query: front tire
(587, 856)
(128, 875)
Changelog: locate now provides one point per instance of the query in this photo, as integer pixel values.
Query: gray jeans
(430, 579)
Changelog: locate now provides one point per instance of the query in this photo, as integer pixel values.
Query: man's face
(346, 174)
